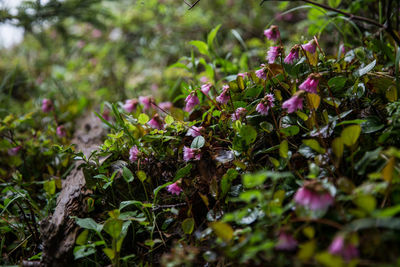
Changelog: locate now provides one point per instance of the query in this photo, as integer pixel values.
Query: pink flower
(238, 114)
(80, 44)
(286, 242)
(145, 101)
(243, 75)
(261, 73)
(47, 105)
(96, 33)
(272, 33)
(133, 153)
(14, 151)
(106, 115)
(273, 53)
(156, 122)
(311, 46)
(189, 154)
(312, 199)
(165, 105)
(294, 103)
(310, 84)
(61, 132)
(174, 189)
(130, 105)
(191, 101)
(293, 55)
(205, 88)
(265, 104)
(224, 97)
(194, 131)
(204, 79)
(346, 250)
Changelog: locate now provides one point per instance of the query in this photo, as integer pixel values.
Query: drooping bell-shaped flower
(130, 105)
(310, 47)
(224, 97)
(165, 105)
(261, 73)
(194, 131)
(272, 33)
(343, 248)
(314, 197)
(156, 122)
(273, 53)
(239, 112)
(286, 242)
(145, 101)
(61, 132)
(293, 104)
(14, 151)
(311, 83)
(189, 153)
(133, 154)
(265, 104)
(174, 189)
(47, 105)
(191, 101)
(205, 88)
(293, 55)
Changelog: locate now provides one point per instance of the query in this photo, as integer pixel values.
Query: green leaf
(350, 134)
(109, 252)
(334, 3)
(211, 36)
(143, 118)
(82, 238)
(188, 226)
(337, 83)
(201, 46)
(362, 71)
(372, 124)
(113, 227)
(366, 203)
(222, 230)
(50, 187)
(127, 174)
(169, 119)
(254, 179)
(284, 149)
(182, 172)
(290, 131)
(198, 142)
(314, 145)
(88, 223)
(248, 134)
(338, 147)
(266, 126)
(141, 175)
(83, 251)
(226, 181)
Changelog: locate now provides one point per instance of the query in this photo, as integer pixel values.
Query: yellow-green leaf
(314, 145)
(314, 100)
(222, 230)
(387, 172)
(188, 225)
(350, 135)
(338, 147)
(284, 149)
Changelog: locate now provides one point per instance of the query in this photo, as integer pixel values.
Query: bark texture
(59, 230)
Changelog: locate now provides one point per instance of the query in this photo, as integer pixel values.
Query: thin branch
(195, 3)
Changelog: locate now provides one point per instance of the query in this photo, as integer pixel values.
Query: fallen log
(58, 231)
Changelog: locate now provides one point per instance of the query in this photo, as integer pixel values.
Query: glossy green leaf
(350, 135)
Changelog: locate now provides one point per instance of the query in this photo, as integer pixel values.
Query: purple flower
(310, 84)
(106, 115)
(80, 44)
(272, 33)
(312, 199)
(156, 122)
(165, 105)
(265, 104)
(194, 131)
(174, 189)
(243, 75)
(239, 112)
(204, 79)
(273, 53)
(61, 132)
(346, 250)
(205, 88)
(286, 242)
(189, 154)
(191, 101)
(133, 153)
(293, 55)
(145, 101)
(294, 103)
(130, 105)
(311, 46)
(47, 105)
(14, 151)
(261, 73)
(224, 97)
